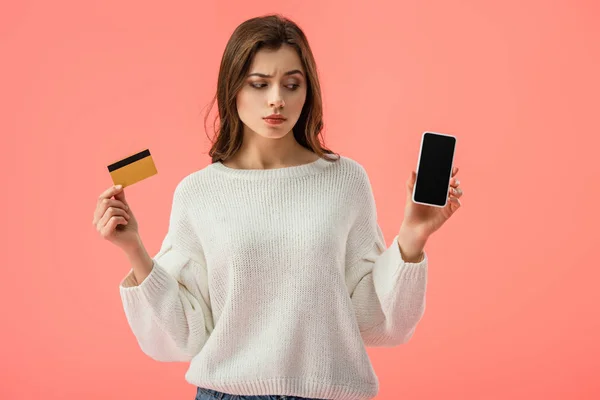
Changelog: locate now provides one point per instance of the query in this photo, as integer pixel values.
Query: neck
(258, 152)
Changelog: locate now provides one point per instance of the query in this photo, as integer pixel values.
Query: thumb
(120, 195)
(410, 183)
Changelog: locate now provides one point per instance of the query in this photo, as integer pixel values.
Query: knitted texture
(273, 282)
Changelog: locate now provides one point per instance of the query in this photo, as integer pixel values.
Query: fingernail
(457, 182)
(118, 186)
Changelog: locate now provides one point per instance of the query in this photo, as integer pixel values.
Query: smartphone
(434, 169)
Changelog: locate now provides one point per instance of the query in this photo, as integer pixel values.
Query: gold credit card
(132, 169)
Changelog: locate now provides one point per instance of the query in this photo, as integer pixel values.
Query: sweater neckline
(310, 168)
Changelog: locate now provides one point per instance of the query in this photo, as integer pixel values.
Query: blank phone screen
(434, 169)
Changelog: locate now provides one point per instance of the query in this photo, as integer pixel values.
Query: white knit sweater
(272, 282)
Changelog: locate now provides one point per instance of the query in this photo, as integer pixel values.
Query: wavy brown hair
(270, 32)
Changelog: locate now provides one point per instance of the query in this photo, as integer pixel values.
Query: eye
(256, 85)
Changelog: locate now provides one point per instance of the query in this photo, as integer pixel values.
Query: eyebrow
(292, 72)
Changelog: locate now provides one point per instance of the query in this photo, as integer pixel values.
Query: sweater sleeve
(169, 312)
(388, 294)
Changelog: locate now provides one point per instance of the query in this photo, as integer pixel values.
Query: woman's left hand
(425, 220)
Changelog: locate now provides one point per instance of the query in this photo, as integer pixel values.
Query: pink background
(513, 297)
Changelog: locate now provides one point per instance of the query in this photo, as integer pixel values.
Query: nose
(276, 100)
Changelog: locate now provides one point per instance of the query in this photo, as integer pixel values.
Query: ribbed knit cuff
(157, 283)
(390, 267)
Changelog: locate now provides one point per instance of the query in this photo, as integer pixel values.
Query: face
(275, 84)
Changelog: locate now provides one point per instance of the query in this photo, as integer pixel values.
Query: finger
(106, 229)
(108, 193)
(110, 213)
(454, 171)
(410, 182)
(112, 225)
(120, 195)
(103, 206)
(455, 191)
(114, 203)
(454, 182)
(455, 200)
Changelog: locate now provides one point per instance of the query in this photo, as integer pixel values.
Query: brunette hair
(270, 32)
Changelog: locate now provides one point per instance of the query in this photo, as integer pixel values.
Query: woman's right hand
(115, 221)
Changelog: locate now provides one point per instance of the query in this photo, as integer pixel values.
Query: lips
(275, 117)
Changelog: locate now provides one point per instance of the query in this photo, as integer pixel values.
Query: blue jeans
(209, 394)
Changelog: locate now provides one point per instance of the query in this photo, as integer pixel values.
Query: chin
(274, 132)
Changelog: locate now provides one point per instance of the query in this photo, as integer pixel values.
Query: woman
(274, 274)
